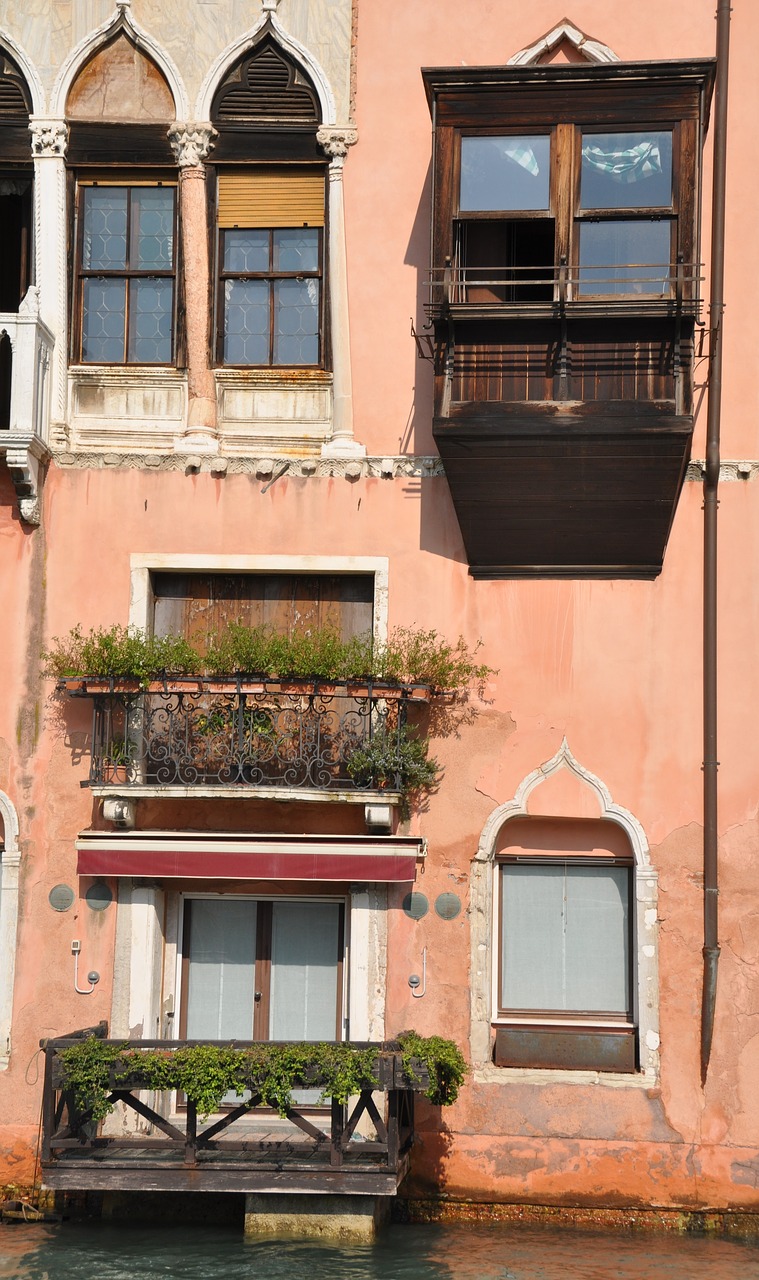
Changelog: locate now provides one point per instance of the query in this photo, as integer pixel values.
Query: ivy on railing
(207, 1073)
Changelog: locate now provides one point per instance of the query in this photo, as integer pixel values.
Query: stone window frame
(484, 942)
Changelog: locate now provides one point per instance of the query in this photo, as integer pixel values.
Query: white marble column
(334, 142)
(49, 142)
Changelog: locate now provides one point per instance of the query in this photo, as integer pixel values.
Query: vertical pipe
(711, 481)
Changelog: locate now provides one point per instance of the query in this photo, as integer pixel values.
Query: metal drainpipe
(711, 481)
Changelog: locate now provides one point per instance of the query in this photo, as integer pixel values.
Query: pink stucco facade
(611, 668)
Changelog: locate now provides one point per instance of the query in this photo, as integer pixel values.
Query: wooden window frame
(271, 277)
(262, 970)
(553, 1017)
(564, 203)
(127, 182)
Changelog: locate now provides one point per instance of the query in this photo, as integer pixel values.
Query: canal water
(129, 1251)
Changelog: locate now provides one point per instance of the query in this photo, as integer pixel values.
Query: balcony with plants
(229, 1116)
(263, 714)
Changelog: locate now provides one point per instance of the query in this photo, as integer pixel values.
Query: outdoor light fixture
(93, 977)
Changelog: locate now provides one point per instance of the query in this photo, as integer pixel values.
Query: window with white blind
(270, 266)
(257, 969)
(564, 983)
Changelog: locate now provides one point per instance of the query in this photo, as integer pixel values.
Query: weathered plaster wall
(615, 667)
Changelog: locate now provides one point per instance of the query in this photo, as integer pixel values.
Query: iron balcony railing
(244, 732)
(564, 284)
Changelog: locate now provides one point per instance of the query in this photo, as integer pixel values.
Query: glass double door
(262, 969)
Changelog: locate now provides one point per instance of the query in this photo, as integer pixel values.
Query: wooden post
(191, 1134)
(338, 1124)
(48, 1105)
(392, 1130)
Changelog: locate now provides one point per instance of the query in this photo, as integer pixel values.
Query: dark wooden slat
(147, 1113)
(191, 1147)
(205, 1135)
(338, 1121)
(305, 1126)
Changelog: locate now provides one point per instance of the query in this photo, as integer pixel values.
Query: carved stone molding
(334, 140)
(311, 466)
(26, 461)
(49, 137)
(191, 142)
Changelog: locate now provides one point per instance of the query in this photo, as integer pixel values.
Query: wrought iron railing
(243, 732)
(564, 284)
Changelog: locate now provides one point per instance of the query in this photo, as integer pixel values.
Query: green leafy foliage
(206, 1073)
(121, 652)
(444, 1061)
(410, 656)
(396, 758)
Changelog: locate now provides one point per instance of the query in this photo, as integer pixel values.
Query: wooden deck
(148, 1144)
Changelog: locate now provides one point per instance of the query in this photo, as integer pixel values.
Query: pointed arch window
(271, 198)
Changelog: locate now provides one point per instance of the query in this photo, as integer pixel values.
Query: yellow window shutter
(271, 196)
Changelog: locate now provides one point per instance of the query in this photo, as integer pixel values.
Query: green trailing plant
(396, 758)
(207, 1073)
(410, 656)
(444, 1061)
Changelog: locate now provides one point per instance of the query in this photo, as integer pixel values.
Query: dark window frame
(271, 277)
(263, 959)
(130, 182)
(564, 202)
(545, 1017)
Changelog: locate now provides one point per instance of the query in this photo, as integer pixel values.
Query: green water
(99, 1251)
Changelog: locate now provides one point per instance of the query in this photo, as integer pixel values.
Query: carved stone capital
(191, 142)
(334, 140)
(269, 6)
(49, 137)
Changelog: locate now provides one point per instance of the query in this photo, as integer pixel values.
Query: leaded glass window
(126, 271)
(271, 296)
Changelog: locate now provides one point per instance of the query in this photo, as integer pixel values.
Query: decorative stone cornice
(191, 142)
(49, 137)
(397, 466)
(334, 140)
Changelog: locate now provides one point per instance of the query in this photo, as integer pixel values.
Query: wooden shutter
(271, 196)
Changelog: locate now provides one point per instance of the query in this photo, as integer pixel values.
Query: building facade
(220, 223)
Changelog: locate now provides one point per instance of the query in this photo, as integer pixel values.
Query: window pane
(565, 938)
(246, 251)
(505, 173)
(296, 249)
(104, 244)
(296, 322)
(150, 320)
(626, 170)
(304, 970)
(625, 257)
(246, 322)
(221, 970)
(103, 321)
(152, 228)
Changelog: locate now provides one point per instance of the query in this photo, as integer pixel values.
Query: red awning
(222, 856)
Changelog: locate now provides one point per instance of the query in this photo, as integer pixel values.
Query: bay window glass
(505, 172)
(126, 274)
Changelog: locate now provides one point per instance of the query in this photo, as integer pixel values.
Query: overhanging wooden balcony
(362, 1148)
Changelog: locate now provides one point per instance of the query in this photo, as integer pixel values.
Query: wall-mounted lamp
(93, 977)
(415, 981)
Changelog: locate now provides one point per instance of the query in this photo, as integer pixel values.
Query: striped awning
(194, 855)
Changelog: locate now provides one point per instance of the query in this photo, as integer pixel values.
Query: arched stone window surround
(10, 858)
(593, 50)
(26, 66)
(482, 891)
(236, 50)
(121, 21)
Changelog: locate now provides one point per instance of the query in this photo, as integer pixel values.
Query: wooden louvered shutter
(273, 196)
